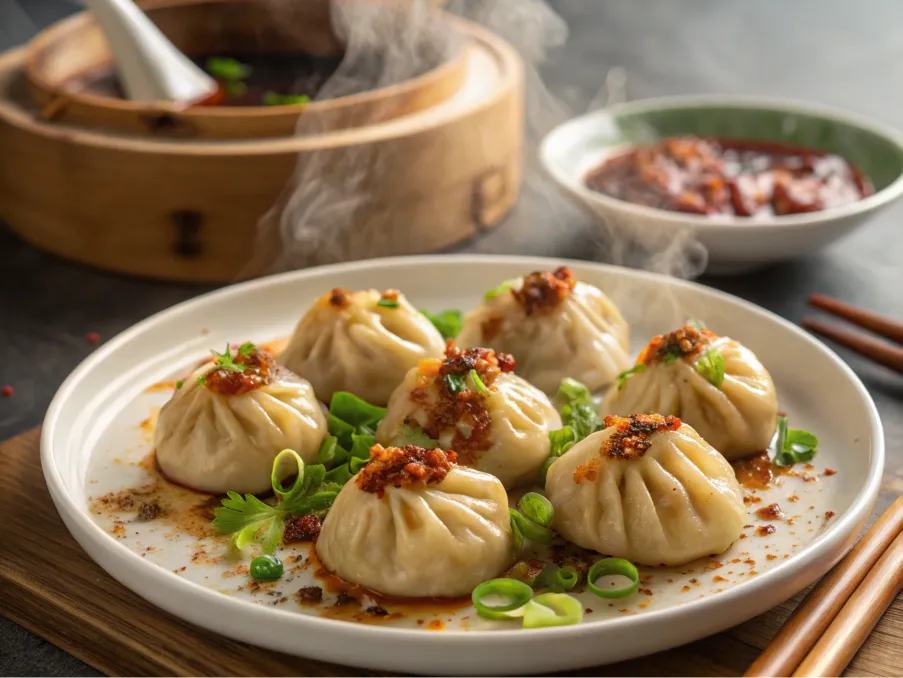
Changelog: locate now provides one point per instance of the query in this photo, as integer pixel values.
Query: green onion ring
(536, 508)
(613, 566)
(516, 591)
(556, 579)
(278, 488)
(532, 531)
(552, 609)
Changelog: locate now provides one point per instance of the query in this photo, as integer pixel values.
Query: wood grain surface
(49, 585)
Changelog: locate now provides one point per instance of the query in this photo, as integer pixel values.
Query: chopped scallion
(454, 383)
(496, 291)
(556, 579)
(552, 609)
(613, 566)
(448, 323)
(711, 366)
(225, 68)
(536, 508)
(530, 530)
(387, 303)
(478, 383)
(515, 593)
(179, 384)
(276, 99)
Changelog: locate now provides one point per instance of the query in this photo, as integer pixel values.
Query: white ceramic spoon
(150, 67)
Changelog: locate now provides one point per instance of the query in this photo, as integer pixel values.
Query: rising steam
(320, 218)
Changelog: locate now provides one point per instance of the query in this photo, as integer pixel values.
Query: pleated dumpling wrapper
(413, 523)
(715, 384)
(225, 424)
(363, 342)
(648, 489)
(473, 403)
(555, 327)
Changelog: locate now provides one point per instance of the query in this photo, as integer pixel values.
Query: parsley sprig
(226, 360)
(793, 446)
(249, 520)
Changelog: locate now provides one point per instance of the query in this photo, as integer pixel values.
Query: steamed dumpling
(555, 327)
(497, 423)
(413, 523)
(713, 383)
(648, 489)
(362, 342)
(225, 424)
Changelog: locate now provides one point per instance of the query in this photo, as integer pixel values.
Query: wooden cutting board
(50, 586)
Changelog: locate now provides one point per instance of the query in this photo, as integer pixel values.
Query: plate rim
(169, 584)
(706, 224)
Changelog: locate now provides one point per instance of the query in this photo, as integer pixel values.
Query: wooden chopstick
(849, 630)
(857, 316)
(878, 351)
(814, 615)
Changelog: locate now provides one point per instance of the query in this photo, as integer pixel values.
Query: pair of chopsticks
(823, 634)
(878, 351)
(827, 629)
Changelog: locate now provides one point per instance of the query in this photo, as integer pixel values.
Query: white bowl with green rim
(734, 244)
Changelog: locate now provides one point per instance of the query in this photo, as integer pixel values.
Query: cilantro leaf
(227, 362)
(454, 383)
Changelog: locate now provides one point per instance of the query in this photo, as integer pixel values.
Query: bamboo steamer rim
(511, 73)
(46, 39)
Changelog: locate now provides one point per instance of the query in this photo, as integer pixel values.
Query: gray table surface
(830, 51)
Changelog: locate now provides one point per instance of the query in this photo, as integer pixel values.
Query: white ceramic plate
(93, 441)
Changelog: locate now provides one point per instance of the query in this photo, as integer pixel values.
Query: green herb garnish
(266, 568)
(449, 323)
(478, 383)
(698, 324)
(276, 99)
(636, 369)
(495, 291)
(454, 383)
(227, 362)
(235, 88)
(388, 303)
(202, 380)
(414, 435)
(556, 579)
(179, 384)
(793, 446)
(224, 68)
(248, 519)
(579, 416)
(711, 366)
(352, 423)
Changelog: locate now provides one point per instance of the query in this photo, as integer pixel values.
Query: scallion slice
(711, 366)
(556, 579)
(278, 463)
(516, 593)
(626, 374)
(608, 566)
(454, 383)
(478, 383)
(552, 609)
(495, 291)
(544, 471)
(388, 303)
(530, 530)
(537, 508)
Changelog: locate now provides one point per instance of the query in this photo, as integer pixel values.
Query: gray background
(831, 51)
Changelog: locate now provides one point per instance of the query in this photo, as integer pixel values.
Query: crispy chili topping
(149, 511)
(310, 594)
(258, 369)
(305, 528)
(543, 291)
(338, 298)
(630, 440)
(460, 406)
(390, 295)
(688, 341)
(399, 466)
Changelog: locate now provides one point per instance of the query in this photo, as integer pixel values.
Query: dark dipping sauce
(730, 177)
(285, 74)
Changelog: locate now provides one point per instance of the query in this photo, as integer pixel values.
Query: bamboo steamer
(202, 209)
(58, 56)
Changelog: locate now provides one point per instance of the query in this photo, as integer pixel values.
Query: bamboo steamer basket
(57, 58)
(122, 196)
